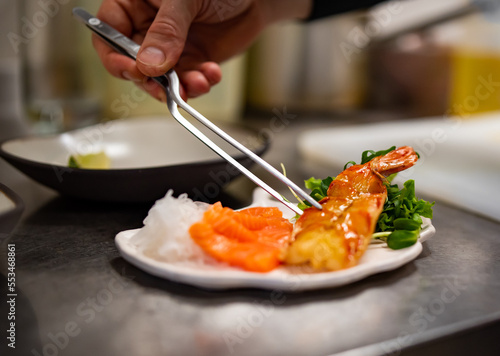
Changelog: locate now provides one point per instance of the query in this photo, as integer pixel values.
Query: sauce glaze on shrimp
(337, 236)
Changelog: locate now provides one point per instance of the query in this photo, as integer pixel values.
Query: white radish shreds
(165, 235)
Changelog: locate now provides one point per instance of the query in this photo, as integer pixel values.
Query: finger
(195, 83)
(116, 14)
(199, 78)
(165, 38)
(117, 64)
(152, 88)
(212, 72)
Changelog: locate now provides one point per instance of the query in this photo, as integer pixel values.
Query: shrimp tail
(394, 161)
(338, 235)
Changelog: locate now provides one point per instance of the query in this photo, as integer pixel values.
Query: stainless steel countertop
(77, 296)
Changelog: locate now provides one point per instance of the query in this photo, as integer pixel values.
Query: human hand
(192, 36)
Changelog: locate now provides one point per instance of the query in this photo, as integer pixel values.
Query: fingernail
(151, 56)
(128, 76)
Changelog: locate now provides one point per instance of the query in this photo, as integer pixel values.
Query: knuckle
(163, 28)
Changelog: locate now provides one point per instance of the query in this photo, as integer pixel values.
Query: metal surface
(170, 83)
(77, 297)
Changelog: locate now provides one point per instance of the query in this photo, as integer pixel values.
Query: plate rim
(263, 147)
(280, 279)
(7, 155)
(149, 182)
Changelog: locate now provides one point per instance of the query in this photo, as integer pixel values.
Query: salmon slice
(252, 239)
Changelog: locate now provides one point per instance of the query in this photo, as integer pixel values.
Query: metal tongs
(170, 82)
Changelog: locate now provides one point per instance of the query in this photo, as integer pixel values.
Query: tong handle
(114, 38)
(127, 47)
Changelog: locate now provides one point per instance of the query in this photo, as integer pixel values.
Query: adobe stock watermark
(30, 27)
(486, 87)
(423, 317)
(245, 326)
(224, 8)
(277, 124)
(85, 313)
(360, 36)
(123, 105)
(91, 139)
(255, 318)
(427, 146)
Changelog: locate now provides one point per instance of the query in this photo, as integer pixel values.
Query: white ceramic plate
(148, 156)
(378, 258)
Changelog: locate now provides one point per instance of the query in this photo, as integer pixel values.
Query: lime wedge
(90, 161)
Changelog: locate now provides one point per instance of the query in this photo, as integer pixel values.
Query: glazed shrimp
(337, 236)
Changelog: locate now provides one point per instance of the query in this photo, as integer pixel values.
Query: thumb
(164, 41)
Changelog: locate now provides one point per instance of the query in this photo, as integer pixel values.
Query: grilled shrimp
(337, 236)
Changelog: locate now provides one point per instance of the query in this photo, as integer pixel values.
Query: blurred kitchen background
(415, 58)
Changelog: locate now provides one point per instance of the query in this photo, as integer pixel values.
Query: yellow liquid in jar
(475, 82)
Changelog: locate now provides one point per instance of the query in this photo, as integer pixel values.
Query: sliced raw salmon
(252, 239)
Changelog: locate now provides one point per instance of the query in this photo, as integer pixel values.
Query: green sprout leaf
(319, 189)
(402, 238)
(400, 222)
(406, 224)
